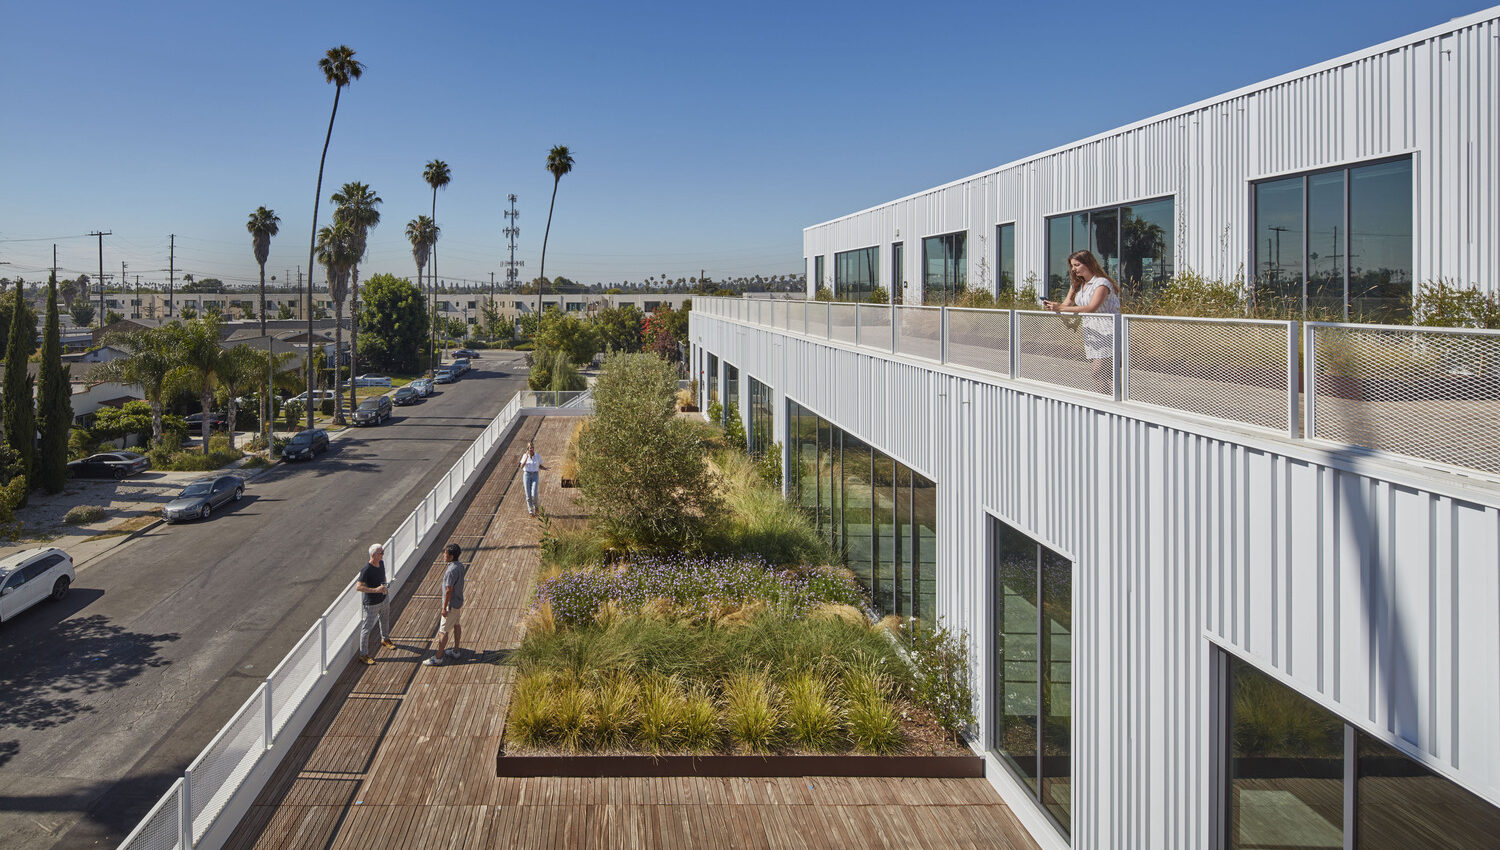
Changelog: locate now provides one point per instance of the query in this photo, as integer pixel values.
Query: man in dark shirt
(376, 608)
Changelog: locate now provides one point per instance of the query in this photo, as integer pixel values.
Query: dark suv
(373, 411)
(305, 444)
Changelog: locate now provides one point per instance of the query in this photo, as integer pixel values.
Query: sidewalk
(403, 755)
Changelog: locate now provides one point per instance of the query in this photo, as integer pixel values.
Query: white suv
(27, 578)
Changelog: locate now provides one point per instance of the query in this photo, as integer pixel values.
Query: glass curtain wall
(731, 392)
(1031, 704)
(818, 281)
(944, 267)
(713, 378)
(762, 418)
(1005, 258)
(1135, 243)
(1337, 241)
(877, 514)
(856, 273)
(1288, 763)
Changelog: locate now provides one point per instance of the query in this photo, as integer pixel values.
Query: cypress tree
(54, 403)
(20, 415)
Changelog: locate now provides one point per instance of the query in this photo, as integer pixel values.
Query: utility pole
(101, 234)
(136, 313)
(54, 262)
(171, 270)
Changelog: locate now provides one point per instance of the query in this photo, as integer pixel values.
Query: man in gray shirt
(453, 603)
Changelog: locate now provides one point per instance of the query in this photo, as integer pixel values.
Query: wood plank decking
(402, 755)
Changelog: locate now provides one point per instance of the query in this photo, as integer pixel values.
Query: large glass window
(898, 271)
(879, 516)
(818, 281)
(856, 273)
(762, 418)
(1032, 694)
(713, 378)
(1289, 761)
(1135, 243)
(1005, 258)
(944, 267)
(1337, 241)
(731, 392)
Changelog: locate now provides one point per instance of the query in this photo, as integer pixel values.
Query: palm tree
(420, 232)
(339, 68)
(336, 253)
(559, 162)
(240, 369)
(263, 224)
(199, 359)
(148, 363)
(356, 206)
(437, 176)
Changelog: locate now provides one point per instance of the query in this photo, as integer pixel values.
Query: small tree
(20, 415)
(82, 313)
(393, 316)
(642, 469)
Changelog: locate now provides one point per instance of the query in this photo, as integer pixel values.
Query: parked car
(444, 376)
(216, 422)
(304, 444)
(373, 411)
(114, 465)
(461, 364)
(198, 499)
(320, 395)
(467, 352)
(28, 577)
(372, 380)
(423, 386)
(405, 395)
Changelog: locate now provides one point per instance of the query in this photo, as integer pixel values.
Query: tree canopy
(393, 316)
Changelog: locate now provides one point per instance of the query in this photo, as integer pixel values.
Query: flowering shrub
(693, 585)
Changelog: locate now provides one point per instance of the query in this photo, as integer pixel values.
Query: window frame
(959, 280)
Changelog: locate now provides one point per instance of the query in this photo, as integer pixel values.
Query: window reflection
(1134, 243)
(1059, 246)
(1327, 241)
(856, 273)
(1005, 258)
(898, 271)
(924, 561)
(859, 536)
(1057, 684)
(1018, 651)
(1380, 243)
(945, 267)
(882, 591)
(1401, 804)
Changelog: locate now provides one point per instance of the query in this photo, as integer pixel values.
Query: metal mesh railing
(817, 319)
(161, 828)
(1423, 392)
(919, 331)
(979, 339)
(874, 326)
(295, 676)
(553, 398)
(796, 317)
(1225, 368)
(221, 766)
(1069, 351)
(778, 313)
(841, 318)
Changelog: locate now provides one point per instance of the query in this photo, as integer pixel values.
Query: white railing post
(1309, 381)
(323, 642)
(827, 320)
(1120, 353)
(942, 334)
(267, 709)
(1293, 421)
(1015, 343)
(185, 821)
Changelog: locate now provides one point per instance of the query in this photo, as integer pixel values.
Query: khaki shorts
(449, 620)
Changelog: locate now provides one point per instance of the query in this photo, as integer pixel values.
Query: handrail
(170, 823)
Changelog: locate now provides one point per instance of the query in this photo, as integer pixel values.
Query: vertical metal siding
(1436, 97)
(1377, 599)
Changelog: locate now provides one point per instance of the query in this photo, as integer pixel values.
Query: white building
(1356, 179)
(1239, 587)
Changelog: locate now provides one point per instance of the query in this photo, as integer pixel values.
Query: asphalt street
(106, 696)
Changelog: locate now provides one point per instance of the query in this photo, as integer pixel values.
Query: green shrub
(872, 725)
(940, 673)
(768, 466)
(81, 443)
(1448, 305)
(255, 462)
(663, 710)
(570, 548)
(734, 428)
(83, 514)
(528, 723)
(757, 519)
(573, 713)
(715, 411)
(812, 719)
(325, 406)
(702, 730)
(750, 714)
(292, 414)
(880, 295)
(615, 710)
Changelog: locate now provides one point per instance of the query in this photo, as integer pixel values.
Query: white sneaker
(434, 661)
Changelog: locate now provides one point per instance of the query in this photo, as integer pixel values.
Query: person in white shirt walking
(531, 467)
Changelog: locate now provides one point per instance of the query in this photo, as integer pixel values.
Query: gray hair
(376, 547)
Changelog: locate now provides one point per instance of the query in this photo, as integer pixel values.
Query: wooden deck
(402, 755)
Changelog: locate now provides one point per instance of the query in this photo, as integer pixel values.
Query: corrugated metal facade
(1372, 587)
(1434, 95)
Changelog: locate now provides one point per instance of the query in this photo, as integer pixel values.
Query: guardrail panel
(1423, 392)
(1068, 351)
(979, 339)
(295, 676)
(1227, 369)
(221, 766)
(161, 828)
(919, 332)
(874, 326)
(841, 318)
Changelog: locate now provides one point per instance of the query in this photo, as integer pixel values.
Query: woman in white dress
(1091, 290)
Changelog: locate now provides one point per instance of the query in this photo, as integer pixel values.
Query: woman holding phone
(1091, 290)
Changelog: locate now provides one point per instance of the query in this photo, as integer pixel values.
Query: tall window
(1134, 243)
(762, 413)
(1288, 764)
(944, 267)
(1032, 698)
(731, 391)
(1337, 241)
(856, 273)
(898, 271)
(877, 514)
(818, 281)
(713, 378)
(1005, 258)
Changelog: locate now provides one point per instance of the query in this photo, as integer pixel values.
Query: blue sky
(706, 136)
